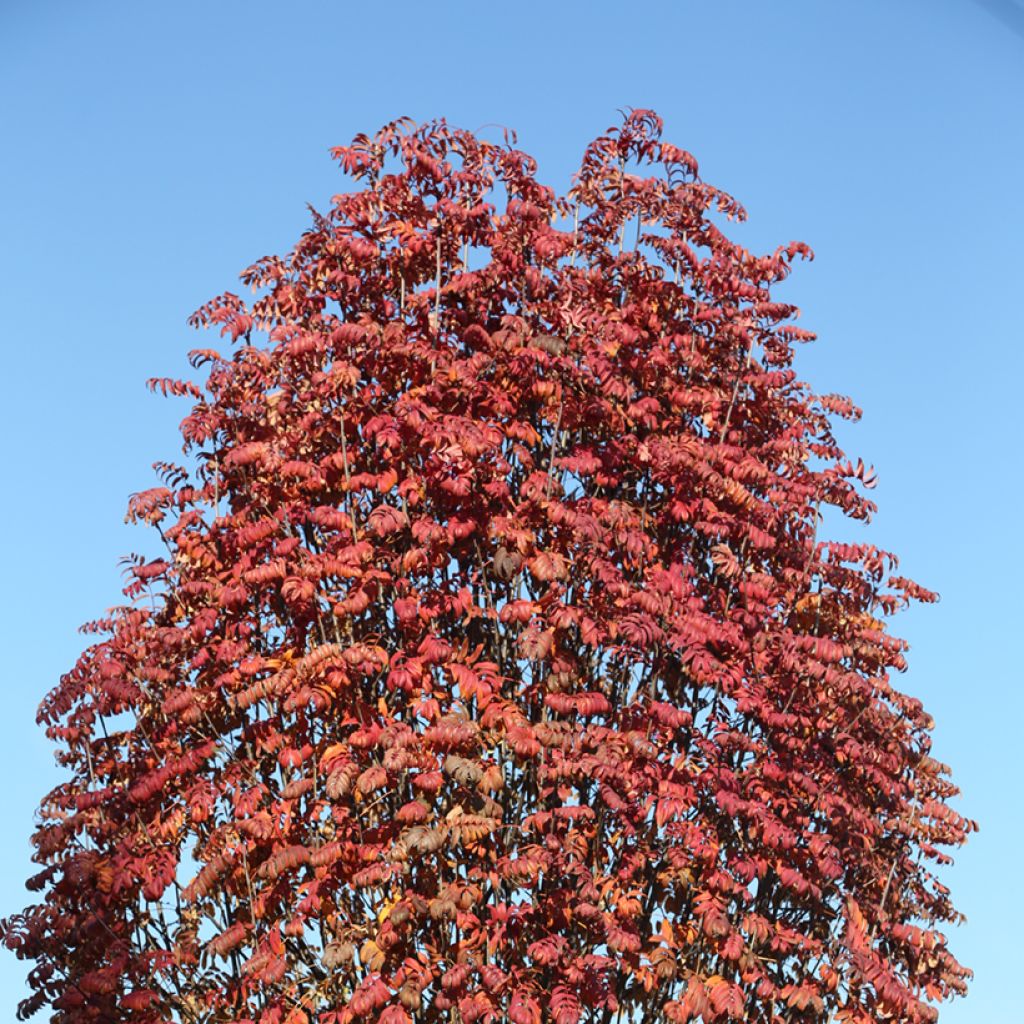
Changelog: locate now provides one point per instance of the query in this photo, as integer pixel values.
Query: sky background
(149, 152)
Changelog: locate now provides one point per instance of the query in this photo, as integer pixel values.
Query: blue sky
(151, 151)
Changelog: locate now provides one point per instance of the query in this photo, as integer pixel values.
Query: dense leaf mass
(495, 669)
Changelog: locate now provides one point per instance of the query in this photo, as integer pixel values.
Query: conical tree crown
(495, 670)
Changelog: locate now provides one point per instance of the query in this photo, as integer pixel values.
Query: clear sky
(150, 151)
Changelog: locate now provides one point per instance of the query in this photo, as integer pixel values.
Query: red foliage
(495, 668)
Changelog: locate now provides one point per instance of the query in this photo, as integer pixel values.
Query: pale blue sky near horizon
(152, 151)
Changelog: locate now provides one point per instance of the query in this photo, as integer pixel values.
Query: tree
(495, 669)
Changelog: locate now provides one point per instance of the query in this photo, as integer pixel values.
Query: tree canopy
(495, 669)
